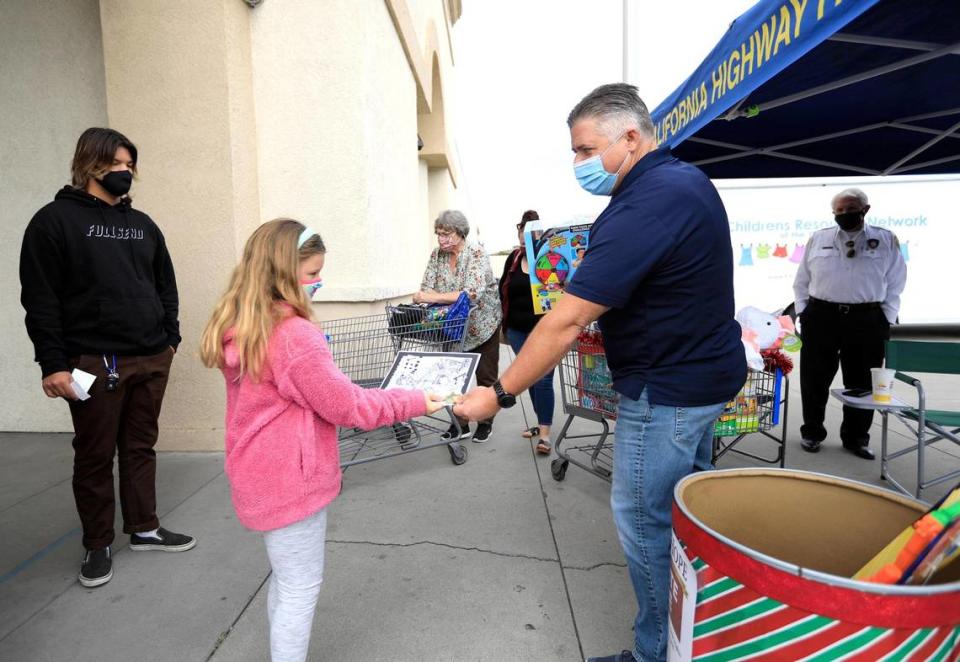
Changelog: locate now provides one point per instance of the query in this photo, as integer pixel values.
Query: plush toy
(763, 331)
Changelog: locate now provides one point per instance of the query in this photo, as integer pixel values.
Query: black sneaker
(451, 433)
(167, 542)
(482, 434)
(97, 568)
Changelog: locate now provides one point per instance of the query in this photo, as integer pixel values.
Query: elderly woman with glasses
(457, 266)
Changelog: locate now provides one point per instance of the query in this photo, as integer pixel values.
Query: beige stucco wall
(178, 84)
(51, 89)
(336, 143)
(336, 139)
(297, 108)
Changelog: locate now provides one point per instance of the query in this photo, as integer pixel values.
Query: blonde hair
(266, 275)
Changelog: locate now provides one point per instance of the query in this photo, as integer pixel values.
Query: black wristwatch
(504, 399)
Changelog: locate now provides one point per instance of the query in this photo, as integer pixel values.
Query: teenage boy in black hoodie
(100, 294)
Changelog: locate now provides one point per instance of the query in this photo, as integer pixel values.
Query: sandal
(530, 433)
(544, 447)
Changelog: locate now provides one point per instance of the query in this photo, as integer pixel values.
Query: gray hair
(452, 220)
(616, 107)
(856, 193)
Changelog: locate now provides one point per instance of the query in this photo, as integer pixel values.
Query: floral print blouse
(474, 275)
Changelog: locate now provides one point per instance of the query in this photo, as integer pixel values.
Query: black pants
(119, 423)
(488, 368)
(855, 341)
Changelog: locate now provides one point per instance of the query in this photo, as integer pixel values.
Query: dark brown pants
(488, 368)
(121, 422)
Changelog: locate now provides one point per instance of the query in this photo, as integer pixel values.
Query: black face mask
(849, 221)
(117, 182)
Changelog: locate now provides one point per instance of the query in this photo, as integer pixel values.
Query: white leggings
(296, 556)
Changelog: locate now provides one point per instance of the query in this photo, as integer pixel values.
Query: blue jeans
(542, 392)
(654, 447)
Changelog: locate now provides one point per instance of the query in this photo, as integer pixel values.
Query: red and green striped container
(773, 551)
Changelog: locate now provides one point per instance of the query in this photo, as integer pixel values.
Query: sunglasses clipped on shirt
(851, 251)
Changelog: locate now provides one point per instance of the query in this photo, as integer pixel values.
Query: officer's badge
(873, 243)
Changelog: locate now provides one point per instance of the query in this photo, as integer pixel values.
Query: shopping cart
(586, 390)
(364, 349)
(756, 409)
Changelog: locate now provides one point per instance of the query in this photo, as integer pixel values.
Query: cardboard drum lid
(772, 552)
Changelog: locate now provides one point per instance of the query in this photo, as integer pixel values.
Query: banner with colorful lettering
(771, 221)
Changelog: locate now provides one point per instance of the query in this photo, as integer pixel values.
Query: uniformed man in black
(847, 294)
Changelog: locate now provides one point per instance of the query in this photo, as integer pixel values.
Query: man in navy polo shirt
(658, 275)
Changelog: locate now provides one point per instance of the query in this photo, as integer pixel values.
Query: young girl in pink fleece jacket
(285, 399)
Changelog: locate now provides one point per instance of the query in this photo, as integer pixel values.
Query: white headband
(305, 236)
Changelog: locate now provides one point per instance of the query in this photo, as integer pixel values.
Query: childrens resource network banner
(553, 252)
(769, 37)
(770, 226)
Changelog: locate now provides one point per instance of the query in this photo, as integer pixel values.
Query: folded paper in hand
(82, 381)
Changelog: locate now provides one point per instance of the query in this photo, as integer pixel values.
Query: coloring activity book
(554, 252)
(444, 373)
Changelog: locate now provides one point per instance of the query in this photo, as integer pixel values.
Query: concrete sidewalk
(492, 560)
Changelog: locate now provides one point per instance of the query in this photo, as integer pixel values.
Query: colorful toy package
(740, 415)
(594, 381)
(554, 253)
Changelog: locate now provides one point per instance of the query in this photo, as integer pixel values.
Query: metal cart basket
(586, 390)
(364, 349)
(756, 409)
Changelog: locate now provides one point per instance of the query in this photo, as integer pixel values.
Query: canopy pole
(920, 129)
(924, 147)
(924, 164)
(857, 78)
(747, 151)
(626, 41)
(848, 38)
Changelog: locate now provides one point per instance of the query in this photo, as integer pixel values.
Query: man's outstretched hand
(477, 405)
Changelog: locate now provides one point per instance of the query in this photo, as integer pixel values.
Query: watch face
(504, 400)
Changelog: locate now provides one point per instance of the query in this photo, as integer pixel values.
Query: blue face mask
(311, 288)
(593, 177)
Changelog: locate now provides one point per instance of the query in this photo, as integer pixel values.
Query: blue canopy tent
(816, 88)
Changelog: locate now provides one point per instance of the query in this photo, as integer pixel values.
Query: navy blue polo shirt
(660, 257)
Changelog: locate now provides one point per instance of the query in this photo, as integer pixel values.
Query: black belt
(845, 307)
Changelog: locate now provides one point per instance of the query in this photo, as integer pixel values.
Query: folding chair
(928, 425)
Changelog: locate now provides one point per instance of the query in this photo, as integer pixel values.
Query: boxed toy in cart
(554, 253)
(594, 381)
(754, 408)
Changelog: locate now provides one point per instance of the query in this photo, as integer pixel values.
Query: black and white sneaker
(168, 541)
(451, 433)
(482, 435)
(97, 567)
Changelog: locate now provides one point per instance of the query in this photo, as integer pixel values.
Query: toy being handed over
(763, 331)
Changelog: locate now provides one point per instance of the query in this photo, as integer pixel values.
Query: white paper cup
(882, 383)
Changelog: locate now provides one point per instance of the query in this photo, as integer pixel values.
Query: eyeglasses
(851, 251)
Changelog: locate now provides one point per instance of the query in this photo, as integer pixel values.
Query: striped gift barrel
(772, 551)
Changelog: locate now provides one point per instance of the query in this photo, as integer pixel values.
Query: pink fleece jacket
(282, 457)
